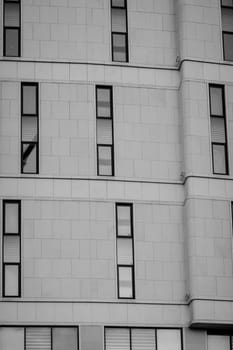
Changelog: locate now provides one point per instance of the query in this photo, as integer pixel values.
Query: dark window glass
(11, 29)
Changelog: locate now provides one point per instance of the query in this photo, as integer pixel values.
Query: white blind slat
(118, 20)
(29, 129)
(124, 251)
(11, 280)
(104, 131)
(38, 338)
(124, 220)
(117, 339)
(11, 15)
(143, 338)
(218, 130)
(11, 249)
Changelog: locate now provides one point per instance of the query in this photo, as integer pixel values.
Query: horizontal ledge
(73, 301)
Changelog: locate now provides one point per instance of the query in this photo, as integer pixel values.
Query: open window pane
(119, 47)
(169, 339)
(38, 338)
(219, 159)
(65, 339)
(29, 129)
(117, 339)
(228, 46)
(104, 131)
(11, 42)
(123, 220)
(11, 14)
(125, 281)
(105, 160)
(119, 20)
(143, 338)
(29, 158)
(124, 251)
(118, 3)
(11, 338)
(11, 282)
(218, 130)
(216, 102)
(11, 218)
(29, 99)
(103, 103)
(218, 342)
(11, 249)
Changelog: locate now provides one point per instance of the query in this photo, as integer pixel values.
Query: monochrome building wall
(116, 174)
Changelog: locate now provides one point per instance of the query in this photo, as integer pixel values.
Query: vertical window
(104, 128)
(218, 130)
(142, 338)
(125, 250)
(227, 29)
(11, 41)
(119, 30)
(29, 128)
(11, 248)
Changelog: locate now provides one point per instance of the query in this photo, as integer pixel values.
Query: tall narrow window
(125, 250)
(29, 128)
(119, 30)
(11, 248)
(104, 120)
(227, 29)
(11, 40)
(218, 130)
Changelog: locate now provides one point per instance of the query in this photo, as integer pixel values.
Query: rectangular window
(11, 30)
(220, 341)
(11, 248)
(43, 338)
(218, 130)
(119, 30)
(125, 250)
(29, 128)
(104, 131)
(227, 29)
(142, 338)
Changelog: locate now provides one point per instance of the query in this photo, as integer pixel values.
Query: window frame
(98, 145)
(4, 264)
(229, 33)
(5, 28)
(223, 117)
(145, 328)
(121, 33)
(26, 115)
(131, 266)
(227, 6)
(51, 327)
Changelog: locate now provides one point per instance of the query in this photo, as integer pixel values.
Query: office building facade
(116, 174)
